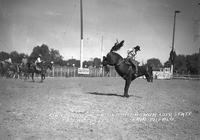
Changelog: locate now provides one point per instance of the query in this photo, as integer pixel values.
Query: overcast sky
(25, 24)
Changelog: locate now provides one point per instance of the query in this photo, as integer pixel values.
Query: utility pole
(172, 65)
(81, 43)
(82, 70)
(102, 48)
(198, 40)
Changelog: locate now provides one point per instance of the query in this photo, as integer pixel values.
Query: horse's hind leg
(127, 84)
(25, 76)
(42, 78)
(33, 77)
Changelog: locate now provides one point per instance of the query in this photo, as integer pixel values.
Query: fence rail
(187, 77)
(58, 71)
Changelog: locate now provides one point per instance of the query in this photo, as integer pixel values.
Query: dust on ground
(93, 109)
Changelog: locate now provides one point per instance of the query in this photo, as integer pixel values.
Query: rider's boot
(136, 67)
(38, 67)
(136, 70)
(133, 65)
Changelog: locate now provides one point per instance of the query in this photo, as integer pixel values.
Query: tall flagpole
(81, 43)
(172, 65)
(82, 70)
(102, 48)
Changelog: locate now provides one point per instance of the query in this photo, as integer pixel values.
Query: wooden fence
(65, 71)
(186, 77)
(59, 71)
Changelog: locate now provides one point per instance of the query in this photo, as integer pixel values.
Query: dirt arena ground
(93, 109)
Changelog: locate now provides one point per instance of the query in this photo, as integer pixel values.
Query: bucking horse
(124, 69)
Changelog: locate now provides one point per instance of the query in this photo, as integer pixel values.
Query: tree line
(48, 54)
(183, 64)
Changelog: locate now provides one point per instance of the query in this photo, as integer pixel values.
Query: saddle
(132, 65)
(38, 68)
(126, 61)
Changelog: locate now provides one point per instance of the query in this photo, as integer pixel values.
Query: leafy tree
(4, 56)
(88, 63)
(167, 64)
(40, 50)
(192, 63)
(180, 64)
(35, 53)
(44, 51)
(97, 62)
(199, 63)
(172, 56)
(185, 64)
(155, 63)
(14, 55)
(56, 57)
(73, 62)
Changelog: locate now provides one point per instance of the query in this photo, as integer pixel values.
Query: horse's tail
(28, 65)
(150, 71)
(117, 46)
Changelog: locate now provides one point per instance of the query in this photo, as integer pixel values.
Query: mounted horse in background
(125, 70)
(4, 68)
(9, 69)
(24, 70)
(13, 70)
(32, 69)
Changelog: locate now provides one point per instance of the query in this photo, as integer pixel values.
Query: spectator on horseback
(131, 58)
(24, 60)
(38, 62)
(8, 60)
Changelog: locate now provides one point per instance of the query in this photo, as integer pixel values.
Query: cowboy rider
(8, 60)
(131, 57)
(38, 62)
(24, 60)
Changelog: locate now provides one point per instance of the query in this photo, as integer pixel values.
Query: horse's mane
(118, 55)
(117, 46)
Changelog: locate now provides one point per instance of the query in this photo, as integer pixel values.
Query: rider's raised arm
(129, 51)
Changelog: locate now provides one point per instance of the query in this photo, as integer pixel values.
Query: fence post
(74, 71)
(53, 72)
(61, 71)
(67, 71)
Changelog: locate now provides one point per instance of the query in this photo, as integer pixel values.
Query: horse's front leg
(42, 77)
(32, 76)
(26, 76)
(127, 85)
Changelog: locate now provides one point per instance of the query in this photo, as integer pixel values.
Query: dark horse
(42, 71)
(9, 69)
(124, 69)
(24, 70)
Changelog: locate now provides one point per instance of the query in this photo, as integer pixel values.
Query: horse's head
(47, 65)
(105, 61)
(105, 64)
(50, 65)
(111, 59)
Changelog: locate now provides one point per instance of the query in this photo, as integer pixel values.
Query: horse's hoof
(126, 96)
